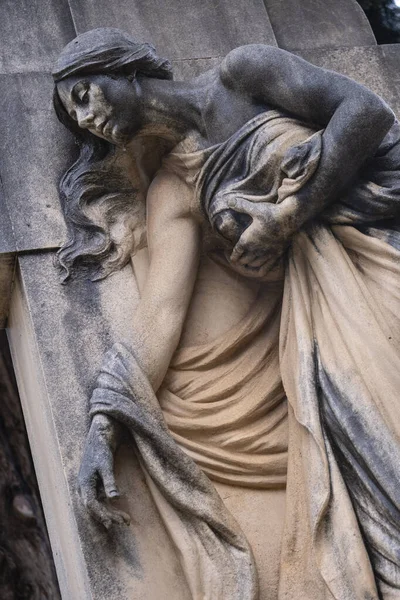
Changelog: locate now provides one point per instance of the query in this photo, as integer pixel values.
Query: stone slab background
(58, 334)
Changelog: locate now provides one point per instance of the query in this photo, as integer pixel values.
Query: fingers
(256, 260)
(107, 476)
(248, 272)
(269, 266)
(246, 255)
(242, 205)
(263, 258)
(106, 515)
(258, 267)
(249, 247)
(237, 253)
(99, 511)
(88, 485)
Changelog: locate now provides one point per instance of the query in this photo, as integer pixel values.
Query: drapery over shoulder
(340, 365)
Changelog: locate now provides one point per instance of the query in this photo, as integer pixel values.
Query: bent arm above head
(354, 119)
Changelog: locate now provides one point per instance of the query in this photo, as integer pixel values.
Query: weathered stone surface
(187, 69)
(376, 67)
(56, 364)
(319, 24)
(7, 243)
(31, 32)
(182, 29)
(7, 259)
(391, 58)
(56, 367)
(38, 150)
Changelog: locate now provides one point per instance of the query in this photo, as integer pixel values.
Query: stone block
(32, 33)
(38, 150)
(391, 57)
(180, 29)
(56, 367)
(319, 24)
(7, 242)
(7, 260)
(375, 67)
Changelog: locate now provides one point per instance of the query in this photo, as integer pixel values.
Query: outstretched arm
(173, 240)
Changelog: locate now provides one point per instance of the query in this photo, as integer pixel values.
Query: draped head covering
(107, 50)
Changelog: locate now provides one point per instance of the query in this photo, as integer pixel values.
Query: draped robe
(330, 333)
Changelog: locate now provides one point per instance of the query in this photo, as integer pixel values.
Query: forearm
(352, 136)
(156, 333)
(110, 429)
(157, 329)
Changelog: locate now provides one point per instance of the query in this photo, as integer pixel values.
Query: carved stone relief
(259, 206)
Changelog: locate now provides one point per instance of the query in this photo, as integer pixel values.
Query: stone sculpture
(267, 334)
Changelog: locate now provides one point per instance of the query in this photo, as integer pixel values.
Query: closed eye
(80, 93)
(84, 96)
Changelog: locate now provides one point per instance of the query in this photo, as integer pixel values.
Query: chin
(120, 136)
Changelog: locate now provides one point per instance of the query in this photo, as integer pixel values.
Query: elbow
(365, 117)
(376, 113)
(384, 114)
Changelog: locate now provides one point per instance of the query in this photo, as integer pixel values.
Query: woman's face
(105, 106)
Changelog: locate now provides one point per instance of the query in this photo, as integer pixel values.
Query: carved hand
(97, 471)
(266, 238)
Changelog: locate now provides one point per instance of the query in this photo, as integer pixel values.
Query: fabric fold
(334, 340)
(224, 402)
(208, 539)
(340, 366)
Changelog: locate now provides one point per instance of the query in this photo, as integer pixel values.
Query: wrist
(106, 427)
(101, 419)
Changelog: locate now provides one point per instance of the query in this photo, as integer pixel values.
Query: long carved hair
(103, 192)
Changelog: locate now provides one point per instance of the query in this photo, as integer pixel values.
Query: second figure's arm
(354, 120)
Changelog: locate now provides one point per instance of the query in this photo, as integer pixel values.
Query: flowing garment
(331, 334)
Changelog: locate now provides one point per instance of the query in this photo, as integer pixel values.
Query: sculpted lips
(107, 128)
(100, 128)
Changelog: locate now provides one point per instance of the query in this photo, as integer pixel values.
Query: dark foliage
(384, 17)
(26, 564)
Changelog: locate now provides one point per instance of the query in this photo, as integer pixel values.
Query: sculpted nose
(85, 119)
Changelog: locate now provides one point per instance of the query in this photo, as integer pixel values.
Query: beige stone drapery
(339, 359)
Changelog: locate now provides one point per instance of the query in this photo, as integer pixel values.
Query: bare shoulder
(169, 196)
(243, 62)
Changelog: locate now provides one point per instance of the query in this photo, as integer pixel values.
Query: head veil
(101, 194)
(112, 52)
